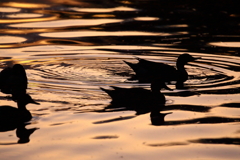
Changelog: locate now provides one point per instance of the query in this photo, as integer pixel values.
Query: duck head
(19, 70)
(184, 59)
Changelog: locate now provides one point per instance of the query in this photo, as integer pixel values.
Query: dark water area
(71, 49)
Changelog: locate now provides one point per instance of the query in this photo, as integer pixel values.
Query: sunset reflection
(25, 5)
(103, 10)
(9, 9)
(11, 39)
(61, 23)
(75, 52)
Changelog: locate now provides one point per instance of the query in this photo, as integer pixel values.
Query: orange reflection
(146, 18)
(9, 9)
(25, 5)
(126, 2)
(103, 15)
(27, 20)
(71, 2)
(24, 15)
(235, 15)
(103, 10)
(225, 44)
(64, 41)
(48, 42)
(65, 23)
(11, 39)
(22, 31)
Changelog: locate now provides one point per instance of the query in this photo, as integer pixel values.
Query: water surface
(72, 48)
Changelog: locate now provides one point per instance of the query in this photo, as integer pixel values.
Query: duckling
(147, 70)
(13, 80)
(138, 99)
(10, 116)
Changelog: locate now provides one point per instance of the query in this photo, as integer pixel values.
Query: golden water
(71, 48)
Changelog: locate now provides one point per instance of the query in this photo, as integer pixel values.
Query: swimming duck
(138, 99)
(10, 116)
(13, 80)
(147, 70)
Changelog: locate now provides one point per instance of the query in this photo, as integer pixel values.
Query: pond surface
(72, 48)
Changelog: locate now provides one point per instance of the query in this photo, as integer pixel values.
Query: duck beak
(167, 113)
(34, 102)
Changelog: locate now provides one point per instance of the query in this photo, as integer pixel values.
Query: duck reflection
(11, 117)
(138, 99)
(23, 134)
(157, 118)
(147, 70)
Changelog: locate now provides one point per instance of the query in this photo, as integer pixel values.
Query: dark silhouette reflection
(23, 134)
(114, 119)
(157, 118)
(186, 93)
(138, 99)
(184, 107)
(232, 141)
(13, 80)
(225, 140)
(11, 117)
(231, 105)
(204, 120)
(147, 70)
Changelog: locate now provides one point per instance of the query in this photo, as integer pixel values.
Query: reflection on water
(71, 49)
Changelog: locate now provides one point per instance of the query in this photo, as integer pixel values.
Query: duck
(138, 99)
(13, 80)
(11, 117)
(147, 70)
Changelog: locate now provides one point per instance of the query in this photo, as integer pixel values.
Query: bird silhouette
(147, 70)
(138, 99)
(11, 117)
(13, 80)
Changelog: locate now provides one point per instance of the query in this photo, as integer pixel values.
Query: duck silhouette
(147, 70)
(11, 117)
(138, 99)
(13, 80)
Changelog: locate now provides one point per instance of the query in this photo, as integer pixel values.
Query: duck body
(13, 80)
(146, 70)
